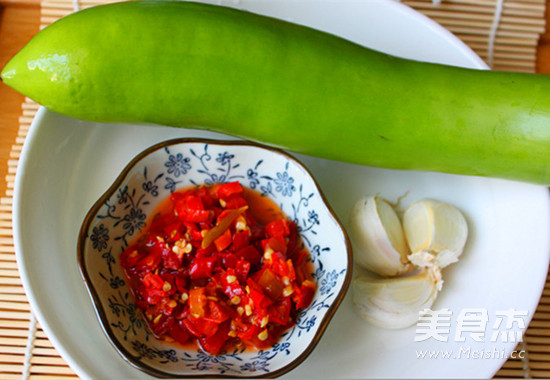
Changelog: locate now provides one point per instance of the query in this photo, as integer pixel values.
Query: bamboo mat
(504, 33)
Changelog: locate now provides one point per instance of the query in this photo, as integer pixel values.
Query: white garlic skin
(394, 303)
(377, 236)
(435, 228)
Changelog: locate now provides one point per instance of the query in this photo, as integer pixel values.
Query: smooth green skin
(266, 80)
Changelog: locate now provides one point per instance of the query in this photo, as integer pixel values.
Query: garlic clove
(378, 238)
(435, 228)
(395, 303)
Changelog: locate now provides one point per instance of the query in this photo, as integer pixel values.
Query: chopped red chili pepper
(179, 332)
(208, 271)
(277, 244)
(197, 302)
(279, 312)
(151, 280)
(227, 190)
(277, 228)
(250, 254)
(223, 241)
(270, 284)
(214, 343)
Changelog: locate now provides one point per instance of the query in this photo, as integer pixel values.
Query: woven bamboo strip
(500, 42)
(536, 365)
(5, 223)
(533, 5)
(11, 289)
(540, 357)
(9, 192)
(19, 306)
(48, 20)
(29, 104)
(24, 120)
(538, 347)
(6, 240)
(536, 340)
(515, 19)
(485, 21)
(57, 361)
(50, 369)
(28, 113)
(10, 358)
(9, 273)
(527, 10)
(15, 154)
(539, 331)
(88, 3)
(17, 148)
(42, 351)
(527, 67)
(523, 15)
(42, 342)
(476, 30)
(8, 256)
(539, 374)
(20, 298)
(14, 315)
(19, 140)
(17, 368)
(8, 376)
(11, 281)
(14, 341)
(12, 265)
(509, 373)
(7, 248)
(56, 12)
(23, 333)
(14, 324)
(541, 315)
(4, 349)
(40, 334)
(52, 5)
(4, 206)
(513, 365)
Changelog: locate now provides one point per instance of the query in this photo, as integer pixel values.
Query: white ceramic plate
(67, 164)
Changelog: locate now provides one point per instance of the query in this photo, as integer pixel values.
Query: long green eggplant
(189, 64)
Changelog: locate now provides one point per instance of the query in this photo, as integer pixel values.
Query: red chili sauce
(221, 266)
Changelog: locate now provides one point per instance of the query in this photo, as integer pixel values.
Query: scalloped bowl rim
(97, 304)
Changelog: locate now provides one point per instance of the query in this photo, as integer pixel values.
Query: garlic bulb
(395, 303)
(377, 235)
(436, 233)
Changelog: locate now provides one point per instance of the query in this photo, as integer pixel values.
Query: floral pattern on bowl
(122, 213)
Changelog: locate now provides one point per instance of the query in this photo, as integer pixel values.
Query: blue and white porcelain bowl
(122, 213)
